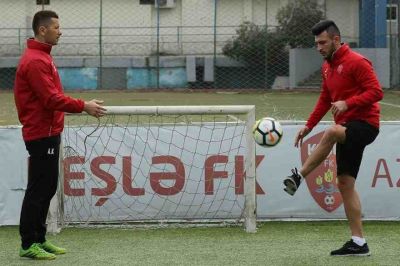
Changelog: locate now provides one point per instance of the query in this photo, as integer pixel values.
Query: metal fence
(199, 44)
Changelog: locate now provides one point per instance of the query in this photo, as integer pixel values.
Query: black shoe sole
(354, 255)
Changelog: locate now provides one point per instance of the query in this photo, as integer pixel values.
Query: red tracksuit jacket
(348, 77)
(39, 95)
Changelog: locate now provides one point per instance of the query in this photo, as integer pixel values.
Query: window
(147, 2)
(43, 2)
(391, 12)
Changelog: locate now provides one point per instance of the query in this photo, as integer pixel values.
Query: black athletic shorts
(349, 154)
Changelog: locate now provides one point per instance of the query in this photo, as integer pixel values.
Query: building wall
(129, 29)
(345, 13)
(129, 32)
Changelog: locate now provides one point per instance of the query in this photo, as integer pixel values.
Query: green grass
(283, 105)
(275, 243)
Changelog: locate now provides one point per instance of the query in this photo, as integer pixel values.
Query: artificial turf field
(283, 105)
(275, 243)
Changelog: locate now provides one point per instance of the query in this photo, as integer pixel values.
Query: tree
(249, 45)
(296, 20)
(266, 52)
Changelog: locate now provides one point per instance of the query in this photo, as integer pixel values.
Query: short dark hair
(326, 25)
(42, 18)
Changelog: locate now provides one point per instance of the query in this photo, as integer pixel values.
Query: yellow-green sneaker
(49, 247)
(36, 252)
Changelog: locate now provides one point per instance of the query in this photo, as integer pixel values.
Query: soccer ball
(267, 132)
(329, 200)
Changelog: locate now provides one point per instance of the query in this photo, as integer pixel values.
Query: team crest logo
(325, 73)
(322, 182)
(339, 69)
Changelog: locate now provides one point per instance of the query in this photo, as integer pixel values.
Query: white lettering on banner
(329, 163)
(50, 151)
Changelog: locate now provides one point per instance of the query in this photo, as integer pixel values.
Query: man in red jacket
(350, 89)
(41, 104)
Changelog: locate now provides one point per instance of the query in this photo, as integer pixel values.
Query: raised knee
(334, 133)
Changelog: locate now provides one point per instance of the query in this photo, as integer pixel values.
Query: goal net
(176, 164)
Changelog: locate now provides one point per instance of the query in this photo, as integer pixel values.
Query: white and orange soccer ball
(267, 132)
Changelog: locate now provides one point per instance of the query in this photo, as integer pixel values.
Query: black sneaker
(292, 182)
(351, 249)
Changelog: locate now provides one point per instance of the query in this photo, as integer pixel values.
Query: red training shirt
(348, 77)
(39, 95)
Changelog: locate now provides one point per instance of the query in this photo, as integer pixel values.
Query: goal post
(157, 164)
(250, 180)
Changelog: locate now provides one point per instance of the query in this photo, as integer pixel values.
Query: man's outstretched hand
(94, 108)
(300, 135)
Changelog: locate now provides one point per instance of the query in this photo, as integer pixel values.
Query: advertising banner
(158, 173)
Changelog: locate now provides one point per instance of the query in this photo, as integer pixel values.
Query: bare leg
(332, 135)
(351, 202)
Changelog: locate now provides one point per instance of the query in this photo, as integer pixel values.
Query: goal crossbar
(179, 110)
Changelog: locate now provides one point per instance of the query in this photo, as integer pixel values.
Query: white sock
(302, 177)
(358, 240)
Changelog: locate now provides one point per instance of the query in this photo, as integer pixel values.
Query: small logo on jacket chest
(339, 69)
(325, 73)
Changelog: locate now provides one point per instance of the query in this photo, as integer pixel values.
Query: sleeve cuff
(349, 103)
(81, 105)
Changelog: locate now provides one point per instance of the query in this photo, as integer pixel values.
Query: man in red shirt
(41, 104)
(350, 89)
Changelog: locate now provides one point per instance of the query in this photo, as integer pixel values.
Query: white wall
(302, 63)
(273, 7)
(345, 13)
(380, 58)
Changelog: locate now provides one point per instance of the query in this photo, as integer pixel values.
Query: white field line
(390, 104)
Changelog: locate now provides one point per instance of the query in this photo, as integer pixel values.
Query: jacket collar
(339, 53)
(33, 44)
